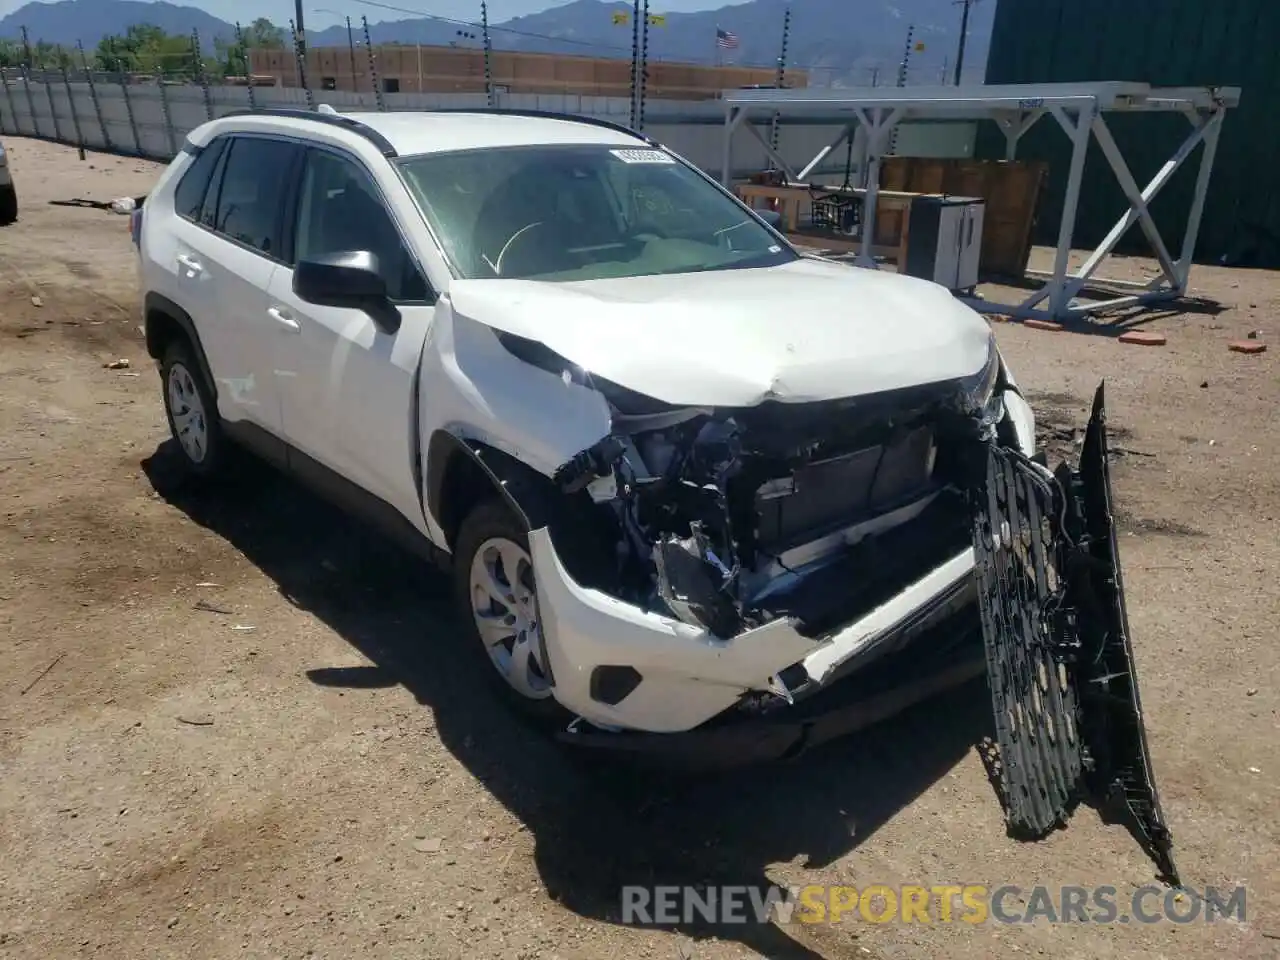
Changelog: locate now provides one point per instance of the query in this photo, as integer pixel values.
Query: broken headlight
(978, 395)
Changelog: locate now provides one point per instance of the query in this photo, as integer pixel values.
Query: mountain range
(88, 21)
(842, 42)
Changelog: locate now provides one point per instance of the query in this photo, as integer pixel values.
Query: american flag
(726, 40)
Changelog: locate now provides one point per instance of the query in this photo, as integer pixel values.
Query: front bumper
(689, 676)
(948, 655)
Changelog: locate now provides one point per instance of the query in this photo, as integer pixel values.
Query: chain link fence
(148, 113)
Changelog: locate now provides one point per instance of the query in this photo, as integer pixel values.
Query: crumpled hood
(804, 331)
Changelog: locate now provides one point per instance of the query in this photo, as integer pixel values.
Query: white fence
(152, 120)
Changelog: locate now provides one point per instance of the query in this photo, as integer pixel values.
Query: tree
(145, 48)
(263, 33)
(233, 58)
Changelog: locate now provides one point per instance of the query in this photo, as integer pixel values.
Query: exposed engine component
(720, 513)
(693, 583)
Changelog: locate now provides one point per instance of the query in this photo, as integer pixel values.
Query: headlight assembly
(978, 394)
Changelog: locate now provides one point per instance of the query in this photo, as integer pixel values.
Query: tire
(192, 412)
(8, 205)
(489, 534)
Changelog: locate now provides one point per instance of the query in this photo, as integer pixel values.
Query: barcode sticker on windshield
(642, 156)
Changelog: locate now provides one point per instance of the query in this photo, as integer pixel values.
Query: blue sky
(324, 13)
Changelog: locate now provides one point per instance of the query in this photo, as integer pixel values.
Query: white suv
(682, 473)
(8, 193)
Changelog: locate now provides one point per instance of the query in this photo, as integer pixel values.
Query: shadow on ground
(598, 825)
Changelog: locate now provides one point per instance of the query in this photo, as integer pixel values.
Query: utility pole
(964, 34)
(781, 80)
(635, 63)
(488, 54)
(906, 56)
(351, 45)
(302, 30)
(643, 83)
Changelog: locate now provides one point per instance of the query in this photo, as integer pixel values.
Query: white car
(684, 476)
(8, 195)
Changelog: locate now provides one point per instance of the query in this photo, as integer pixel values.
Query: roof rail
(547, 115)
(332, 119)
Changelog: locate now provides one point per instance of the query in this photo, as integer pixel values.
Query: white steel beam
(733, 117)
(870, 114)
(1209, 130)
(879, 123)
(1138, 211)
(1013, 126)
(1077, 131)
(822, 154)
(1137, 207)
(771, 153)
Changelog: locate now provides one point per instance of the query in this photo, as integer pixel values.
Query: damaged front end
(834, 534)
(731, 519)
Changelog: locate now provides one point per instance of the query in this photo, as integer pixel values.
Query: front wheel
(497, 601)
(192, 411)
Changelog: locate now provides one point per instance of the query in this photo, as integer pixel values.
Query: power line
(587, 44)
(964, 33)
(493, 29)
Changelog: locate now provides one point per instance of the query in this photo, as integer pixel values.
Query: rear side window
(209, 209)
(251, 197)
(189, 196)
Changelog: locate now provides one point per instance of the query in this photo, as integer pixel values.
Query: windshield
(581, 213)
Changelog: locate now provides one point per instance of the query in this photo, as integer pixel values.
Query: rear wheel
(497, 602)
(8, 205)
(192, 411)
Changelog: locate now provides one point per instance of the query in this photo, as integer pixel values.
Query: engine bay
(730, 518)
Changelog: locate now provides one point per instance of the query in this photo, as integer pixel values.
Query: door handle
(284, 318)
(190, 264)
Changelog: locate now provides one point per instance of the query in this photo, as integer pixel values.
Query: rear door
(225, 255)
(1060, 666)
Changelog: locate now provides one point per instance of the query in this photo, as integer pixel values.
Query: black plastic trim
(332, 119)
(512, 480)
(612, 684)
(156, 303)
(336, 489)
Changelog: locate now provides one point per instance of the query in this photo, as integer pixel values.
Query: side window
(340, 210)
(252, 192)
(189, 196)
(209, 209)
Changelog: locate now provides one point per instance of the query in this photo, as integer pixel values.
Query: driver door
(348, 383)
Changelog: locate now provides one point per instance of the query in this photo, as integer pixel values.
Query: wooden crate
(1011, 191)
(794, 203)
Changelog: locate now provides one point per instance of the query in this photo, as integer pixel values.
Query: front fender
(524, 489)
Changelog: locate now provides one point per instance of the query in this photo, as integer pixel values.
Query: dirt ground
(311, 773)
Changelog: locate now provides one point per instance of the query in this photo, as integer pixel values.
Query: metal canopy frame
(870, 114)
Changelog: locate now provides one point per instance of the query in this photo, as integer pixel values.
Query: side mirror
(348, 279)
(772, 217)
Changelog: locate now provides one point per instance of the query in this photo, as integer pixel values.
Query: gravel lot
(310, 774)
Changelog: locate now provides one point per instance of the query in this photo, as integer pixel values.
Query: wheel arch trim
(155, 303)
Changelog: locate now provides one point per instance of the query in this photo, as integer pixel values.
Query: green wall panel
(1168, 43)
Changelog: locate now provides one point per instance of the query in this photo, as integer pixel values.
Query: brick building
(412, 69)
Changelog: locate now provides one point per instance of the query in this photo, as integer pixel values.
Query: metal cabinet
(944, 240)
